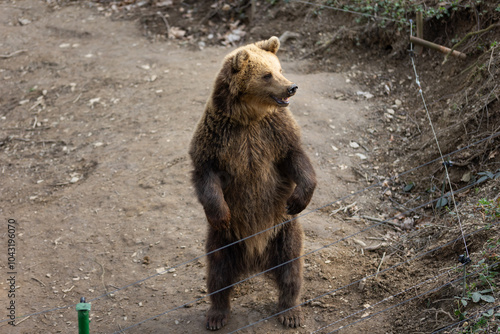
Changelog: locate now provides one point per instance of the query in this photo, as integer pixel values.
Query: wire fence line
(263, 272)
(492, 136)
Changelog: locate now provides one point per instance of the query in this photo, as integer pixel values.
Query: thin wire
(408, 300)
(492, 136)
(439, 149)
(351, 11)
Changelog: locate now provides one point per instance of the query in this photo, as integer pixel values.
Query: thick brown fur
(250, 174)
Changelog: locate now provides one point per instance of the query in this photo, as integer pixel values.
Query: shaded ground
(95, 120)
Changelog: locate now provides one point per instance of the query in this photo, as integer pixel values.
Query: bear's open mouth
(282, 101)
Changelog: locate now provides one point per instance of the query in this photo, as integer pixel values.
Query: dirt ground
(95, 122)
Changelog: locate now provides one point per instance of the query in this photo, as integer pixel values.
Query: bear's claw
(216, 319)
(292, 318)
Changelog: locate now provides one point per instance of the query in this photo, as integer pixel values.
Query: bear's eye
(267, 76)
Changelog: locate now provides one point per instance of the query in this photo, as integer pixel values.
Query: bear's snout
(292, 89)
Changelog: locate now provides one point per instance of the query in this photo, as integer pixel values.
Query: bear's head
(252, 77)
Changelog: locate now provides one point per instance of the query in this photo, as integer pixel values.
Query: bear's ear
(271, 45)
(240, 59)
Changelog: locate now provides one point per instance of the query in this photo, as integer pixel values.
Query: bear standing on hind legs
(251, 175)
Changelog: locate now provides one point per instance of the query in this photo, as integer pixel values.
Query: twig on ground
(12, 54)
(36, 279)
(378, 268)
(344, 208)
(396, 226)
(23, 319)
(491, 58)
(166, 23)
(102, 278)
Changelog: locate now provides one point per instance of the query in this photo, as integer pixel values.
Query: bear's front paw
(295, 205)
(216, 319)
(292, 318)
(220, 219)
(299, 199)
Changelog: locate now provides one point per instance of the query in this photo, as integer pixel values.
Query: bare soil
(95, 121)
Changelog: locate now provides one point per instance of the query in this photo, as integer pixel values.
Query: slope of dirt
(95, 120)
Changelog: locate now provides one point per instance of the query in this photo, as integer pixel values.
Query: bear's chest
(252, 149)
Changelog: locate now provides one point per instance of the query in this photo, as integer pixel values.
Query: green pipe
(83, 309)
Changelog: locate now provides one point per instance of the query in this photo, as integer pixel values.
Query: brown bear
(250, 175)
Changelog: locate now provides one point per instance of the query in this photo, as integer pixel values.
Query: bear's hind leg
(224, 268)
(288, 246)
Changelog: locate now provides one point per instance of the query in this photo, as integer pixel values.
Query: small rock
(164, 3)
(353, 144)
(367, 95)
(93, 101)
(398, 102)
(24, 22)
(361, 156)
